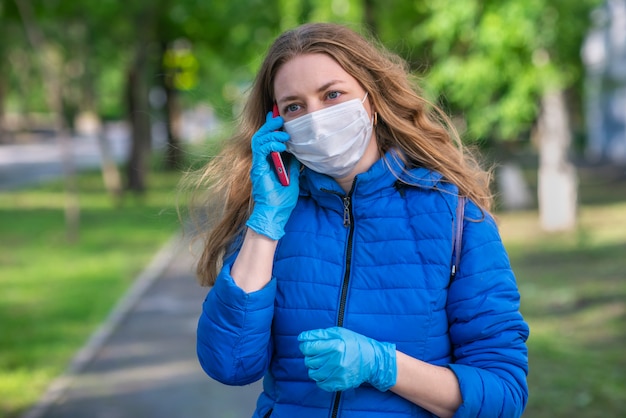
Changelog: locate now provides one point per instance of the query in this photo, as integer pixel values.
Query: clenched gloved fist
(340, 359)
(273, 202)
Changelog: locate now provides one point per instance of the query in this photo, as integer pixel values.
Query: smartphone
(278, 159)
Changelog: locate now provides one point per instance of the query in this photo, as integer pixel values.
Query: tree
(3, 69)
(13, 52)
(49, 68)
(505, 65)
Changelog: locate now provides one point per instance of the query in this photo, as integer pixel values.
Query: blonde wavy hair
(406, 121)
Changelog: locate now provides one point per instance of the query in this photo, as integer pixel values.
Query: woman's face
(313, 82)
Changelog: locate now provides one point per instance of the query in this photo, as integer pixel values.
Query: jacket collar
(381, 175)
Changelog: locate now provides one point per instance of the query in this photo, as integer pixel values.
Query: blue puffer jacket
(378, 263)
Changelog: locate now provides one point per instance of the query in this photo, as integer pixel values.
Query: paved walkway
(142, 361)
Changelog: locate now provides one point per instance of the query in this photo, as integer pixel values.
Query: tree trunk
(88, 125)
(93, 127)
(173, 117)
(3, 135)
(50, 72)
(369, 16)
(110, 174)
(557, 191)
(137, 96)
(138, 102)
(20, 61)
(174, 157)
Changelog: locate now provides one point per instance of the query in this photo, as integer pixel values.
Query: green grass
(55, 293)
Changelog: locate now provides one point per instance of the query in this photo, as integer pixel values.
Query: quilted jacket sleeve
(233, 336)
(487, 330)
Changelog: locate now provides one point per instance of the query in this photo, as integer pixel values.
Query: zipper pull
(346, 211)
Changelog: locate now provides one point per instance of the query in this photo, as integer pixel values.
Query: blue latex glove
(273, 202)
(339, 359)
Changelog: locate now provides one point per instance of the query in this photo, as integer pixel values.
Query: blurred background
(104, 105)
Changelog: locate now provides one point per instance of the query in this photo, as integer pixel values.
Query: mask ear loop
(375, 113)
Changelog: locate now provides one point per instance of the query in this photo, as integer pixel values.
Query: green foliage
(488, 61)
(493, 60)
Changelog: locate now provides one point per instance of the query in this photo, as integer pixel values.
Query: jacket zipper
(348, 220)
(346, 211)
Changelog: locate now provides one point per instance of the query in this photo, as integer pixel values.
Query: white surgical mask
(332, 140)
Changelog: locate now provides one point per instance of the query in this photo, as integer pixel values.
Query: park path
(142, 361)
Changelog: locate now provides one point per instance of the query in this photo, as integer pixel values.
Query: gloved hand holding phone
(339, 359)
(273, 202)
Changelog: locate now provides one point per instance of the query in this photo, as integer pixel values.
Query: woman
(337, 288)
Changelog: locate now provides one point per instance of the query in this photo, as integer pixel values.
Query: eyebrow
(323, 87)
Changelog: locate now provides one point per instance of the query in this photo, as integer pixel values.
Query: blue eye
(333, 95)
(293, 108)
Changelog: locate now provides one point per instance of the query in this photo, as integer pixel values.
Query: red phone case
(277, 159)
